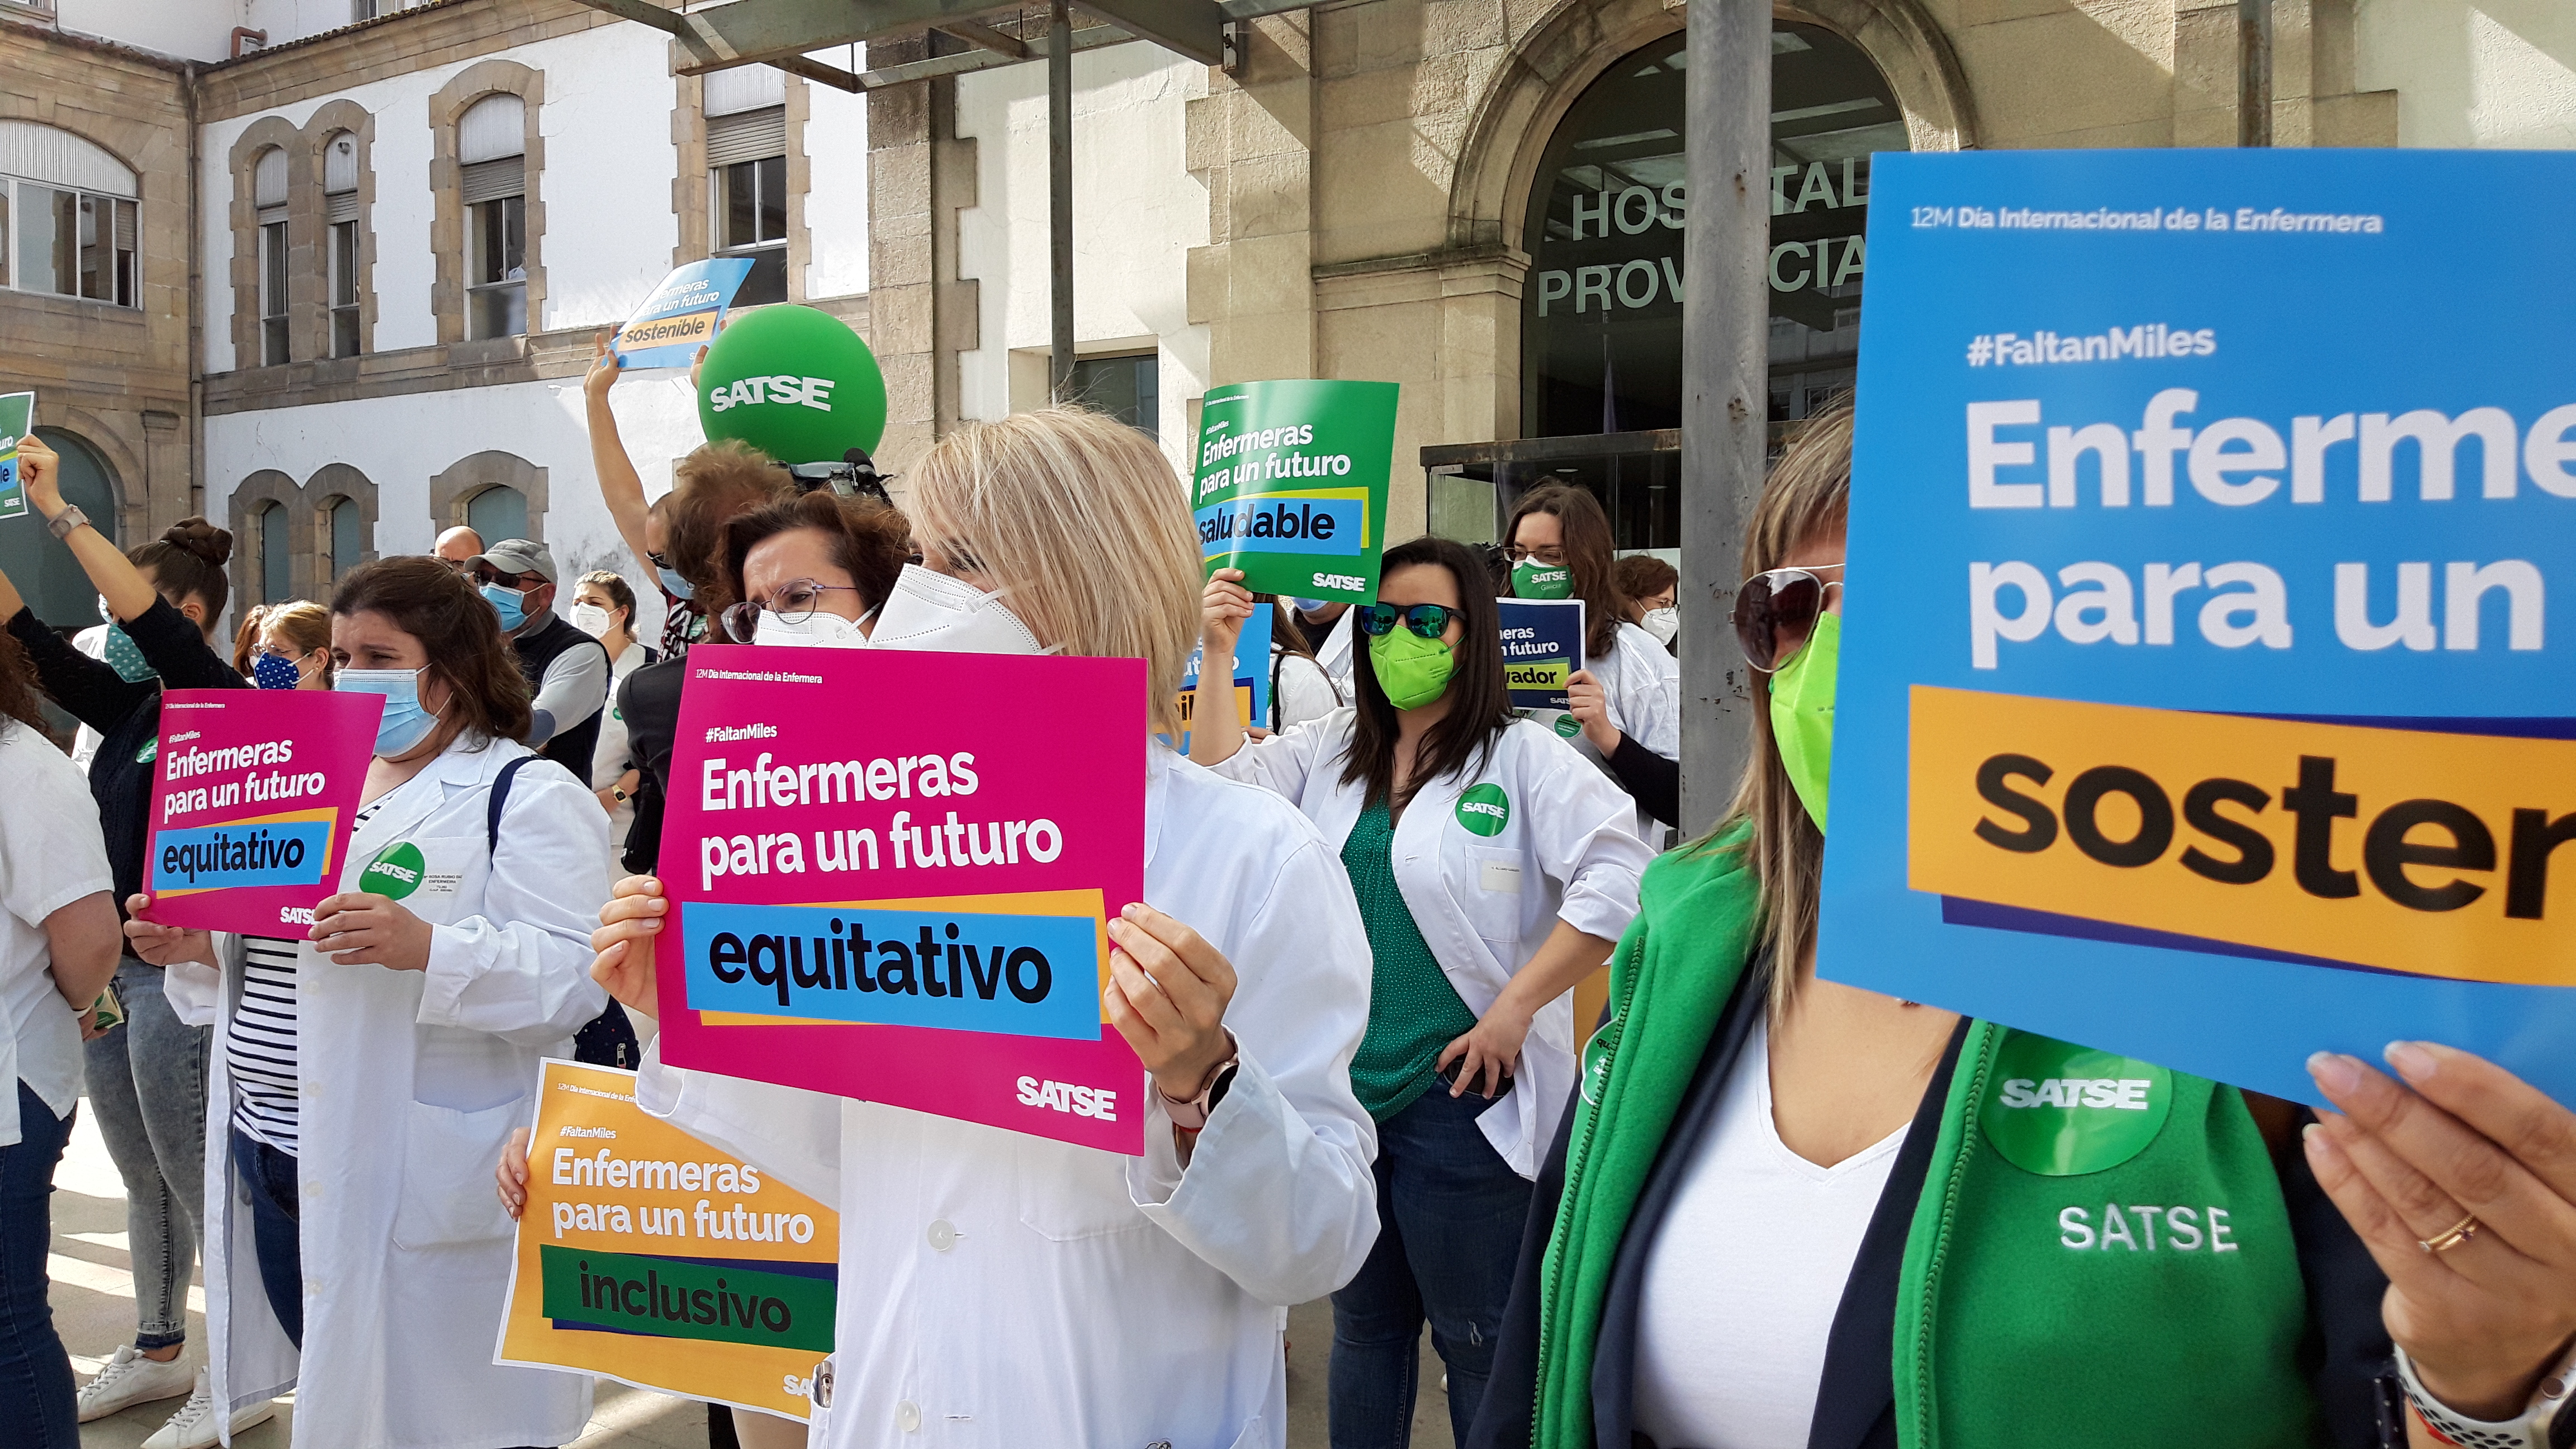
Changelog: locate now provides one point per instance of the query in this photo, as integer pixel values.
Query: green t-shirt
(1413, 1010)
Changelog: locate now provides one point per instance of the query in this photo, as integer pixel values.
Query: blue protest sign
(2202, 694)
(1251, 674)
(682, 315)
(1542, 647)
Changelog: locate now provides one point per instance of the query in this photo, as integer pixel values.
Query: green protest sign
(1291, 485)
(17, 418)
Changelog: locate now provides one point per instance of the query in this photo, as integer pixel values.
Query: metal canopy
(781, 32)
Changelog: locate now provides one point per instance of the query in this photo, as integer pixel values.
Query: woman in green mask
(1787, 1211)
(1493, 867)
(1628, 693)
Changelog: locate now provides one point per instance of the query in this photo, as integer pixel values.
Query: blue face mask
(1308, 606)
(510, 604)
(674, 585)
(275, 671)
(405, 724)
(125, 658)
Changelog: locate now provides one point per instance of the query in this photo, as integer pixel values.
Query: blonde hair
(1809, 493)
(303, 624)
(1081, 524)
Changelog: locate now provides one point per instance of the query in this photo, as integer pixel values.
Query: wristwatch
(2530, 1431)
(620, 794)
(62, 524)
(1192, 1115)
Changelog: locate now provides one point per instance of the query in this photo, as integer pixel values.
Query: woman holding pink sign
(1082, 1297)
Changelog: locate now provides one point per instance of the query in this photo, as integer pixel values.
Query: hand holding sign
(2484, 1318)
(1167, 994)
(359, 929)
(40, 470)
(624, 941)
(160, 945)
(1223, 608)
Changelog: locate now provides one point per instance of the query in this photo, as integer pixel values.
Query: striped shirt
(259, 1050)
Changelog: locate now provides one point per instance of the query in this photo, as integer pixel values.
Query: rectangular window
(272, 294)
(68, 243)
(344, 289)
(747, 184)
(498, 271)
(1126, 388)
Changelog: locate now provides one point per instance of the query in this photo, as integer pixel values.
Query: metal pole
(1060, 197)
(1726, 392)
(2253, 72)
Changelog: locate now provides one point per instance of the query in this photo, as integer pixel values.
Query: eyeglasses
(1776, 610)
(1548, 554)
(793, 602)
(1428, 620)
(654, 557)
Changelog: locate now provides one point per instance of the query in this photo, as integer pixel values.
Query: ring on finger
(2458, 1233)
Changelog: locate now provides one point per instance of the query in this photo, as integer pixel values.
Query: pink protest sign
(252, 805)
(887, 888)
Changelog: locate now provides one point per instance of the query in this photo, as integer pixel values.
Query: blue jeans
(1449, 1215)
(147, 1085)
(39, 1409)
(275, 1228)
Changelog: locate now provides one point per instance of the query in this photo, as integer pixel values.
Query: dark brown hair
(1586, 533)
(709, 489)
(19, 699)
(1480, 703)
(423, 598)
(1641, 576)
(869, 538)
(187, 562)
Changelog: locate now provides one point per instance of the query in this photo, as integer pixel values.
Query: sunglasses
(1428, 620)
(1776, 606)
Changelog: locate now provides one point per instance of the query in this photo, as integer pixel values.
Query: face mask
(933, 611)
(1802, 713)
(819, 630)
(405, 724)
(1308, 606)
(510, 604)
(1534, 580)
(124, 657)
(1412, 670)
(106, 615)
(674, 585)
(275, 671)
(1663, 623)
(592, 620)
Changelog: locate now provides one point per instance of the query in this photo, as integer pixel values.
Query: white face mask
(821, 630)
(933, 611)
(1662, 623)
(591, 620)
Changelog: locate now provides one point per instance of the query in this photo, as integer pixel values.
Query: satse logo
(1098, 1103)
(2127, 1094)
(812, 392)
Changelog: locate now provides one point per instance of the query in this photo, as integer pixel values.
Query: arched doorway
(498, 512)
(1601, 315)
(44, 571)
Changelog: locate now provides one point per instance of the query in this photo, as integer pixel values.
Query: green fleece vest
(2100, 1255)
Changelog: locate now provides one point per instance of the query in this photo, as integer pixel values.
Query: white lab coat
(1642, 683)
(1300, 691)
(1486, 903)
(1008, 1291)
(409, 1084)
(1335, 652)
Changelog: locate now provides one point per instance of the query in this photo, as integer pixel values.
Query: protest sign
(907, 904)
(17, 419)
(1542, 647)
(682, 315)
(2200, 696)
(1291, 485)
(648, 1256)
(1251, 675)
(253, 806)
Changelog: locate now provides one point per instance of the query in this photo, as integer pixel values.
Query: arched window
(348, 536)
(491, 146)
(67, 216)
(268, 193)
(498, 512)
(276, 556)
(44, 571)
(340, 217)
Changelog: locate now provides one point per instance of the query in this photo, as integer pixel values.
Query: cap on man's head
(516, 556)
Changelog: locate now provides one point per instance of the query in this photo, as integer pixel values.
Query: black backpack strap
(1278, 657)
(500, 802)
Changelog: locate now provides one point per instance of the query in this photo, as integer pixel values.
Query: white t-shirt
(51, 854)
(1745, 1277)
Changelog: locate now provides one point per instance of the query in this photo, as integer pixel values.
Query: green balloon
(795, 383)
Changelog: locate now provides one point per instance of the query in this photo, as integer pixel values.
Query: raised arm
(117, 581)
(1216, 729)
(620, 486)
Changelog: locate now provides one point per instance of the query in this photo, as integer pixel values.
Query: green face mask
(1802, 713)
(1534, 580)
(1411, 669)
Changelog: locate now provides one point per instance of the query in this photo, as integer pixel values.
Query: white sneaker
(193, 1427)
(129, 1379)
